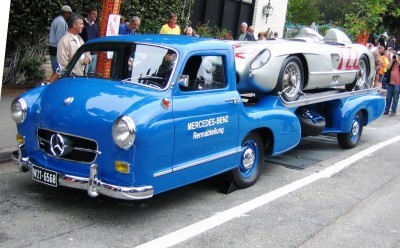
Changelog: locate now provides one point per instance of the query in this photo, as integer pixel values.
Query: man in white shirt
(57, 30)
(69, 44)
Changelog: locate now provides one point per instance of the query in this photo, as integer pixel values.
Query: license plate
(44, 176)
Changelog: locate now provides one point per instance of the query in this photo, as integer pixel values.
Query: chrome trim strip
(202, 161)
(94, 184)
(336, 72)
(162, 173)
(72, 181)
(82, 149)
(72, 147)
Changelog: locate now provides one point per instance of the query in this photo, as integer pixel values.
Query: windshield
(126, 62)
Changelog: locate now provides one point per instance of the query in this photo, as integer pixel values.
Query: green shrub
(33, 71)
(203, 30)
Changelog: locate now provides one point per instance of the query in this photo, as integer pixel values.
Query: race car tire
(291, 79)
(361, 80)
(310, 128)
(351, 139)
(251, 162)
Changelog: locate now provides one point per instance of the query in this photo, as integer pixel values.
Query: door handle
(233, 100)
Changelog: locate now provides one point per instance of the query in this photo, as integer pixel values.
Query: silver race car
(308, 61)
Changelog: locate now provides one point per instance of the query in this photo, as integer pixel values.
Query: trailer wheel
(361, 80)
(291, 79)
(350, 140)
(251, 162)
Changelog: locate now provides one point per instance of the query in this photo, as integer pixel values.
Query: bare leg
(53, 77)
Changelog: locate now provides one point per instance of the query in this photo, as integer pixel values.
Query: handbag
(386, 78)
(388, 73)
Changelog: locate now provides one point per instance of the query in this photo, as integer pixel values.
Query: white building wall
(275, 22)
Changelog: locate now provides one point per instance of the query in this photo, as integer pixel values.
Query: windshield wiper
(146, 77)
(126, 81)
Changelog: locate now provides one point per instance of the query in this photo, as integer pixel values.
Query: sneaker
(392, 114)
(385, 113)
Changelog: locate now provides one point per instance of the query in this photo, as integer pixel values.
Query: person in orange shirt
(383, 68)
(386, 60)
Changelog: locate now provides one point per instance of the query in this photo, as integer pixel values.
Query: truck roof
(181, 43)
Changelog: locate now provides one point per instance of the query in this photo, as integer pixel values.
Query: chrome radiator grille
(67, 146)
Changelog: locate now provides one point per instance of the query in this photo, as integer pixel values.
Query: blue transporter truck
(169, 113)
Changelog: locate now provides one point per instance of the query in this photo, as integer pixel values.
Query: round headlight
(124, 132)
(18, 110)
(261, 59)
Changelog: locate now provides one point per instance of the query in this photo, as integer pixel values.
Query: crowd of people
(247, 34)
(387, 63)
(68, 32)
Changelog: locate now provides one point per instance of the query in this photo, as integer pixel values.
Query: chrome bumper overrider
(93, 185)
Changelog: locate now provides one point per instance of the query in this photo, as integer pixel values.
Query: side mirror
(183, 80)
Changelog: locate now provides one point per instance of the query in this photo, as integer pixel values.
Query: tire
(350, 140)
(361, 80)
(291, 79)
(310, 128)
(251, 162)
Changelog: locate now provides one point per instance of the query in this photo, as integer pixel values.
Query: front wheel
(251, 162)
(350, 140)
(291, 79)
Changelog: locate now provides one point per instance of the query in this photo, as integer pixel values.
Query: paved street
(357, 206)
(8, 129)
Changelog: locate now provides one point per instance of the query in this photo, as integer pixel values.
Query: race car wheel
(361, 80)
(291, 79)
(350, 140)
(251, 162)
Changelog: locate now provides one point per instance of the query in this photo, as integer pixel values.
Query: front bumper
(93, 185)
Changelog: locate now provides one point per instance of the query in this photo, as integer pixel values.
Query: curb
(5, 154)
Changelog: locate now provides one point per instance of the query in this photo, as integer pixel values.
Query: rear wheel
(291, 79)
(350, 140)
(251, 162)
(361, 80)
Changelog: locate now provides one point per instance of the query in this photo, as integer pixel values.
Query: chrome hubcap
(248, 158)
(355, 128)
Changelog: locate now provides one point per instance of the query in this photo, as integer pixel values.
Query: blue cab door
(205, 118)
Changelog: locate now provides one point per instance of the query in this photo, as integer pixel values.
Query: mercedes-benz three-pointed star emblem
(57, 145)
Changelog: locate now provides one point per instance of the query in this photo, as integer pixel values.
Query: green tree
(334, 11)
(302, 11)
(391, 21)
(368, 15)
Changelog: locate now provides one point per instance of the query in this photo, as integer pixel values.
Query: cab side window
(205, 73)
